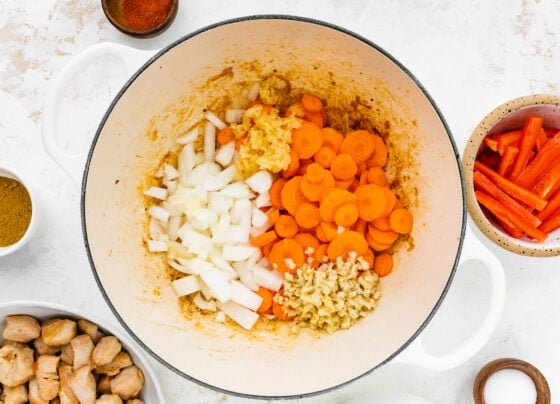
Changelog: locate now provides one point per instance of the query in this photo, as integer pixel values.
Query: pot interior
(214, 68)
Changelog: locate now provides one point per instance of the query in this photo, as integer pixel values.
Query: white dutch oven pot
(166, 95)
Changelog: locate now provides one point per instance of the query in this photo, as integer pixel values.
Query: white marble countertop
(470, 56)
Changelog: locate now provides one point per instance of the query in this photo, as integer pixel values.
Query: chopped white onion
(195, 266)
(259, 218)
(169, 172)
(186, 285)
(266, 278)
(217, 122)
(203, 304)
(217, 283)
(185, 162)
(236, 190)
(225, 153)
(189, 137)
(220, 317)
(238, 252)
(260, 182)
(253, 92)
(209, 141)
(156, 192)
(157, 246)
(244, 296)
(234, 115)
(263, 200)
(159, 213)
(241, 315)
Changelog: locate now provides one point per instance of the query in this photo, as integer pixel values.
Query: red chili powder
(145, 14)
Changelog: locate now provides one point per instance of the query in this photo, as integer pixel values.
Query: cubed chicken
(47, 376)
(15, 395)
(59, 331)
(109, 399)
(65, 393)
(128, 383)
(16, 365)
(21, 328)
(104, 385)
(106, 350)
(83, 386)
(122, 360)
(82, 346)
(91, 329)
(67, 354)
(33, 393)
(44, 349)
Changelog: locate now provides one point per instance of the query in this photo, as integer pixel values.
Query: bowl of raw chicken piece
(49, 352)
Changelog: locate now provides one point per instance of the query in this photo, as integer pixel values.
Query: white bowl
(151, 393)
(508, 116)
(11, 173)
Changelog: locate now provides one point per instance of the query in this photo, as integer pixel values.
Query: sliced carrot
(303, 165)
(275, 190)
(552, 223)
(507, 160)
(273, 214)
(369, 257)
(372, 201)
(506, 139)
(383, 264)
(375, 245)
(332, 138)
(307, 215)
(264, 238)
(311, 102)
(279, 311)
(540, 163)
(321, 253)
(343, 167)
(306, 140)
(314, 191)
(318, 118)
(360, 226)
(551, 207)
(344, 184)
(511, 188)
(286, 255)
(382, 223)
(291, 195)
(531, 128)
(329, 231)
(346, 242)
(382, 237)
(293, 166)
(376, 175)
(400, 220)
(358, 144)
(549, 181)
(346, 215)
(286, 226)
(240, 141)
(331, 200)
(483, 183)
(225, 135)
(307, 240)
(324, 156)
(266, 303)
(380, 153)
(507, 214)
(315, 172)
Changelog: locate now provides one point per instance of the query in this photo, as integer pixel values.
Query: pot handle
(416, 354)
(73, 164)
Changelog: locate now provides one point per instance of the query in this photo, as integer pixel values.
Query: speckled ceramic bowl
(509, 116)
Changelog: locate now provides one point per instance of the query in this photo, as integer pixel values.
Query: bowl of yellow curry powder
(18, 213)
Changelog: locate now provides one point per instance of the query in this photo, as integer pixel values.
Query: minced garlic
(333, 296)
(267, 140)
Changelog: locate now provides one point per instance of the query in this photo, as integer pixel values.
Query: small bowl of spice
(18, 213)
(140, 18)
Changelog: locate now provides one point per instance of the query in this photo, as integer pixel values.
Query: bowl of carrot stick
(512, 173)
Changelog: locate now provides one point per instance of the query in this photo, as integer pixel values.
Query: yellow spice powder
(15, 211)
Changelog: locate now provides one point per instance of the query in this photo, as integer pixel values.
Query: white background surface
(470, 56)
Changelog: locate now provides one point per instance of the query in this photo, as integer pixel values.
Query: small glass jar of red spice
(140, 18)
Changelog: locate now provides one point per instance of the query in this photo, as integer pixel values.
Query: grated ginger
(267, 140)
(333, 296)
